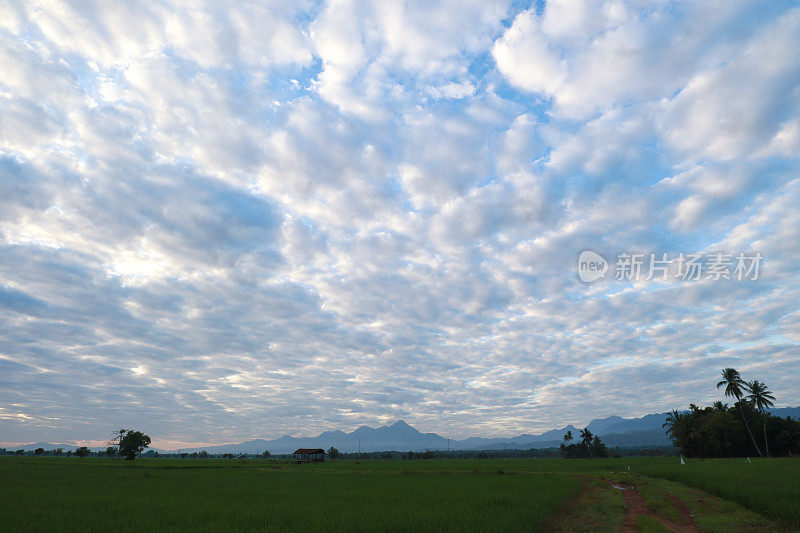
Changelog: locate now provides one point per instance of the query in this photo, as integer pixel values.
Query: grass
(710, 513)
(42, 494)
(655, 498)
(599, 508)
(60, 494)
(647, 524)
(770, 487)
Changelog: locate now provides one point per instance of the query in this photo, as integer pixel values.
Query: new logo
(591, 266)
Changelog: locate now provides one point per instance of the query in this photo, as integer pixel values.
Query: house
(309, 455)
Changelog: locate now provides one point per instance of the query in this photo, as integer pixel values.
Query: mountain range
(613, 430)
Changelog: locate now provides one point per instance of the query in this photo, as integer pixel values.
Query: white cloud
(744, 106)
(236, 220)
(526, 57)
(371, 50)
(589, 56)
(453, 90)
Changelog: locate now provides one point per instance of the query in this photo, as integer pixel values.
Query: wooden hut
(309, 455)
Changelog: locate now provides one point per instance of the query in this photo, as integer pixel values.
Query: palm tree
(734, 385)
(671, 423)
(568, 436)
(586, 436)
(719, 406)
(762, 398)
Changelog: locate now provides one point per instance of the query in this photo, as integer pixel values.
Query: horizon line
(185, 445)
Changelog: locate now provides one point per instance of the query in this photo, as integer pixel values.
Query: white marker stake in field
(748, 459)
(682, 460)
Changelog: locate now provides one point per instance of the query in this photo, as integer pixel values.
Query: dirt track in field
(635, 506)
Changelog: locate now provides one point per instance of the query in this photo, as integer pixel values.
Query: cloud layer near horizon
(220, 221)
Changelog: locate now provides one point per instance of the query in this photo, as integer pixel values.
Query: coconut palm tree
(734, 387)
(586, 436)
(761, 398)
(568, 436)
(671, 423)
(719, 406)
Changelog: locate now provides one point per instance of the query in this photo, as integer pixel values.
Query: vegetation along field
(631, 494)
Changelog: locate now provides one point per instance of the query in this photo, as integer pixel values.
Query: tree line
(126, 443)
(722, 431)
(589, 446)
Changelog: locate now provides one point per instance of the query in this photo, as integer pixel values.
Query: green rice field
(72, 494)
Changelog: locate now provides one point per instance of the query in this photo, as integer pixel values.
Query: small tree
(116, 437)
(39, 451)
(266, 454)
(203, 454)
(586, 437)
(83, 451)
(333, 453)
(132, 444)
(598, 448)
(111, 451)
(58, 451)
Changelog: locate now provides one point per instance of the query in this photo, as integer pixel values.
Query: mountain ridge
(400, 436)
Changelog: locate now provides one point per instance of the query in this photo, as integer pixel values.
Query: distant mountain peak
(611, 418)
(401, 426)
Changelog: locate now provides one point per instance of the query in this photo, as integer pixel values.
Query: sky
(226, 220)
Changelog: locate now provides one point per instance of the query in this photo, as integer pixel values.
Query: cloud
(745, 107)
(589, 56)
(370, 50)
(239, 220)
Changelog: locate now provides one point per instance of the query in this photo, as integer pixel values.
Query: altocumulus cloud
(241, 219)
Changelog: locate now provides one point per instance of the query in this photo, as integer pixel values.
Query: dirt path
(686, 513)
(636, 506)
